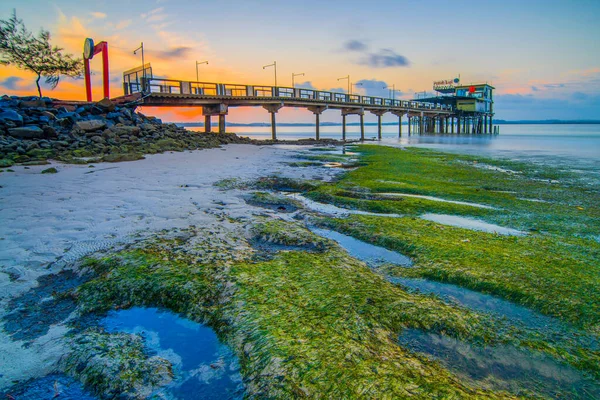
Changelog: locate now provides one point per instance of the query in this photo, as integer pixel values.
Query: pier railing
(220, 90)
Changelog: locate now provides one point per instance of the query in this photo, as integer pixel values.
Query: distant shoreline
(302, 124)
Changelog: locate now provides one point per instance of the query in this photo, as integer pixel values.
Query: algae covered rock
(277, 232)
(115, 365)
(50, 171)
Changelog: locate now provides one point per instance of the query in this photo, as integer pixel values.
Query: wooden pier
(216, 98)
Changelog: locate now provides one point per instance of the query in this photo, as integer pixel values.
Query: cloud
(522, 107)
(123, 24)
(98, 14)
(306, 85)
(173, 53)
(385, 58)
(153, 12)
(11, 82)
(374, 87)
(534, 89)
(355, 45)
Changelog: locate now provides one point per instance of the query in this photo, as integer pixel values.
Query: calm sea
(569, 147)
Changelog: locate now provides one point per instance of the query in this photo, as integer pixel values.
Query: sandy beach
(52, 220)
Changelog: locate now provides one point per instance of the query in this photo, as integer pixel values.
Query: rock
(98, 139)
(106, 104)
(50, 171)
(90, 126)
(5, 162)
(26, 132)
(49, 132)
(124, 130)
(11, 115)
(32, 103)
(122, 157)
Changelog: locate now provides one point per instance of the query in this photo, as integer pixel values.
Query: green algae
(115, 365)
(273, 201)
(303, 324)
(50, 171)
(562, 257)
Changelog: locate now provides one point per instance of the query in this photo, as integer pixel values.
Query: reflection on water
(53, 386)
(469, 223)
(568, 146)
(479, 302)
(373, 256)
(503, 367)
(204, 368)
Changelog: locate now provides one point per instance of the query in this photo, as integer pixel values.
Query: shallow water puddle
(503, 367)
(478, 301)
(331, 209)
(51, 386)
(204, 368)
(474, 224)
(432, 198)
(373, 256)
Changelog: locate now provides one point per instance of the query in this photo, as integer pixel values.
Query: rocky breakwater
(33, 130)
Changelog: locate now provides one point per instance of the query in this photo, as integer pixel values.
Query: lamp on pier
(274, 65)
(352, 85)
(349, 85)
(392, 91)
(143, 63)
(199, 63)
(295, 75)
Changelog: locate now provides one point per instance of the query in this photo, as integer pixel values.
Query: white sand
(49, 220)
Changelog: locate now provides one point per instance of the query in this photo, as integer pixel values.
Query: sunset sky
(543, 57)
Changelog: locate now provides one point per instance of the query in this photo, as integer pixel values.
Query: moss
(36, 162)
(115, 365)
(6, 162)
(50, 171)
(528, 270)
(122, 157)
(273, 201)
(41, 153)
(278, 232)
(302, 164)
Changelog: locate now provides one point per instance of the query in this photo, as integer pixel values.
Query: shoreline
(82, 211)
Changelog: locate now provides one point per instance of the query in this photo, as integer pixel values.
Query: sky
(543, 57)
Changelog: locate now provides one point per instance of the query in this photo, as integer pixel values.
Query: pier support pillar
(272, 109)
(379, 114)
(452, 124)
(421, 122)
(221, 123)
(458, 125)
(353, 111)
(409, 123)
(207, 124)
(317, 110)
(209, 110)
(491, 117)
(399, 114)
(362, 127)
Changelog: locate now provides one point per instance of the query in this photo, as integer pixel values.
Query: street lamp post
(199, 63)
(392, 91)
(274, 65)
(347, 78)
(295, 75)
(353, 86)
(143, 64)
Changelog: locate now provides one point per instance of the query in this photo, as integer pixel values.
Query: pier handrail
(232, 90)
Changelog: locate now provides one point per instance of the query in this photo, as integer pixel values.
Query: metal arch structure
(89, 51)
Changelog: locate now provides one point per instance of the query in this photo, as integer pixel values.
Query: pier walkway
(216, 98)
